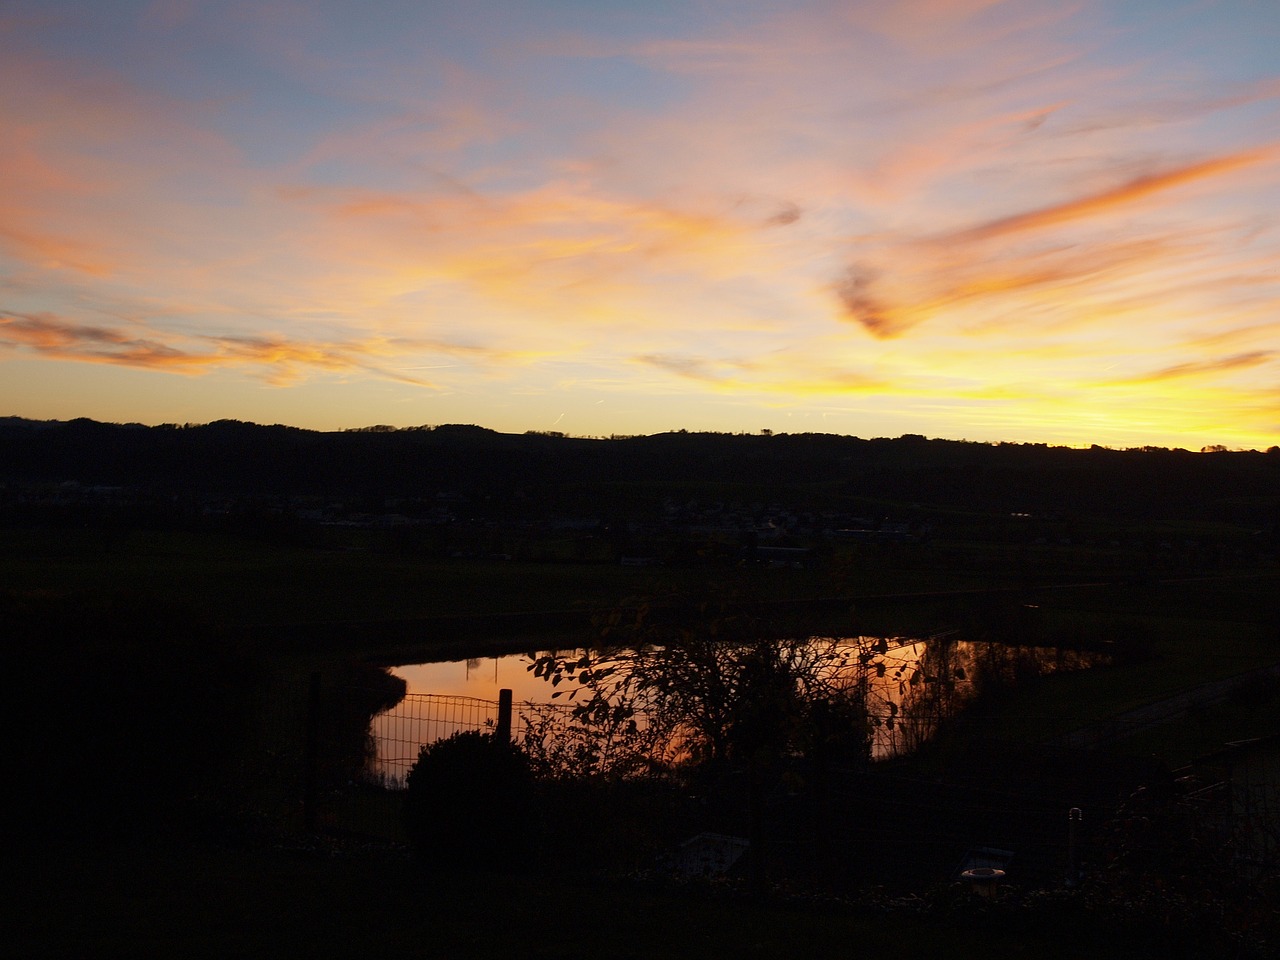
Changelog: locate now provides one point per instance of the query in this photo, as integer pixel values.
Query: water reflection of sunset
(481, 678)
(910, 685)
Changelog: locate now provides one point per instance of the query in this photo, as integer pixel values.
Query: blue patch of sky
(225, 85)
(1225, 41)
(615, 81)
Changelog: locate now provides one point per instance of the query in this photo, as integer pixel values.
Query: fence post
(503, 730)
(1074, 816)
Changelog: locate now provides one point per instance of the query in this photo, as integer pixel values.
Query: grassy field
(234, 582)
(238, 580)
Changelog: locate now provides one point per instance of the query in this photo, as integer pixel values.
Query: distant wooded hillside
(235, 459)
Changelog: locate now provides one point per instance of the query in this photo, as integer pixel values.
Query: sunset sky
(1033, 221)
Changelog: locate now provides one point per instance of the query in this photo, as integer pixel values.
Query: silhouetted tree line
(509, 472)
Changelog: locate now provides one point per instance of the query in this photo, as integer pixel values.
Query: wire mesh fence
(399, 733)
(420, 720)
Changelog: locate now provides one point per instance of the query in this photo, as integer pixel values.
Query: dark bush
(470, 805)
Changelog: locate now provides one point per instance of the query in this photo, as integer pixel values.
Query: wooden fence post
(503, 730)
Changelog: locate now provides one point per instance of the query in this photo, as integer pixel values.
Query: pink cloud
(283, 360)
(1105, 201)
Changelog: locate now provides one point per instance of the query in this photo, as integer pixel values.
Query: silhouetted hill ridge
(235, 458)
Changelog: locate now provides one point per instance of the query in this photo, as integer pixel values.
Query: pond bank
(392, 642)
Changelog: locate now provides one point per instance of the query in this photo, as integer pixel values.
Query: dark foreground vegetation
(194, 621)
(323, 900)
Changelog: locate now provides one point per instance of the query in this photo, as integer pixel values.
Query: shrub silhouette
(470, 804)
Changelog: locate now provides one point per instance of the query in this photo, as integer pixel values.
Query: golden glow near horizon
(983, 219)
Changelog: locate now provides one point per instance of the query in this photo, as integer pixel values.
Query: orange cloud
(284, 359)
(47, 334)
(55, 253)
(561, 256)
(900, 282)
(1239, 361)
(1104, 201)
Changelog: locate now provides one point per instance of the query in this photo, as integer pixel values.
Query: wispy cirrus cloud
(1201, 368)
(695, 368)
(577, 264)
(276, 359)
(1106, 201)
(49, 335)
(795, 376)
(908, 280)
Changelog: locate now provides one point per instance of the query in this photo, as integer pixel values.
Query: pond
(910, 686)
